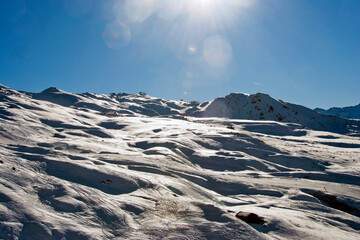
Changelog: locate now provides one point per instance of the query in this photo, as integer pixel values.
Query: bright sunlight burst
(195, 31)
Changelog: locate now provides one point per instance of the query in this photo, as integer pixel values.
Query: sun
(204, 2)
(201, 6)
(202, 9)
(220, 9)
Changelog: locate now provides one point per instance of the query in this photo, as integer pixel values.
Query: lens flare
(189, 75)
(139, 10)
(187, 83)
(217, 51)
(193, 30)
(192, 49)
(116, 35)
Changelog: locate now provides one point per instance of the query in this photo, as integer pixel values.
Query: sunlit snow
(120, 166)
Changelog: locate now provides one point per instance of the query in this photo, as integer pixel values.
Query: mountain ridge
(259, 106)
(350, 112)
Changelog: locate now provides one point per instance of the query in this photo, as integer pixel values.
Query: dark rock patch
(333, 202)
(250, 217)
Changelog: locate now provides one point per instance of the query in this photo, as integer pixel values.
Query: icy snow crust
(89, 166)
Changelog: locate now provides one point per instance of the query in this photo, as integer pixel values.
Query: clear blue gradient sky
(300, 51)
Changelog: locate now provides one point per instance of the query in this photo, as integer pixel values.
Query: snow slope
(89, 166)
(352, 112)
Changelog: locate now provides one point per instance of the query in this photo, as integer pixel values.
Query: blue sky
(301, 51)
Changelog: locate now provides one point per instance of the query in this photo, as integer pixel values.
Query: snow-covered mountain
(234, 106)
(120, 166)
(352, 112)
(263, 107)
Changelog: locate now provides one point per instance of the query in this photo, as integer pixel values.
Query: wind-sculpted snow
(119, 166)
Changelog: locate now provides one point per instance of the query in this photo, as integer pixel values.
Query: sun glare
(224, 12)
(201, 8)
(195, 31)
(204, 2)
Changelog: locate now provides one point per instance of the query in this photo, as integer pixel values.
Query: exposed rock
(250, 217)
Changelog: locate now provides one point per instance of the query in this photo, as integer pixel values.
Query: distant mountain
(258, 106)
(263, 107)
(352, 112)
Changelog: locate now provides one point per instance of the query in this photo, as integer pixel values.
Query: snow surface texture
(88, 166)
(352, 112)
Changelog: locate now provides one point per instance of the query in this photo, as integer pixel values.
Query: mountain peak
(51, 90)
